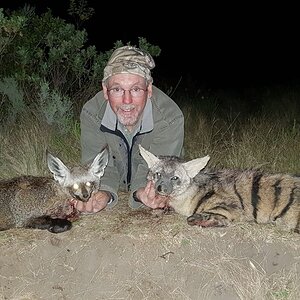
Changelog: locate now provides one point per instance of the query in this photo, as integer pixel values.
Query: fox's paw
(207, 220)
(59, 225)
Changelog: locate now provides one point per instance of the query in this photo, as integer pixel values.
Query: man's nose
(127, 98)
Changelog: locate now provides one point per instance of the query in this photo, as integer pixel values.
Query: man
(127, 112)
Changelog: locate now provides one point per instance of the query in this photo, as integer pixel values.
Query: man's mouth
(127, 110)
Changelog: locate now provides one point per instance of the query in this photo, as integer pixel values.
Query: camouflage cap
(129, 59)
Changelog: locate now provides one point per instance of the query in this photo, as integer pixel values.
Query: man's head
(127, 83)
(132, 60)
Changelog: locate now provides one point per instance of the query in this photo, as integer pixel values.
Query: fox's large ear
(59, 170)
(194, 166)
(150, 158)
(99, 163)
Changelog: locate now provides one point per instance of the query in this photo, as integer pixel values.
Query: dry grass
(257, 142)
(126, 254)
(23, 149)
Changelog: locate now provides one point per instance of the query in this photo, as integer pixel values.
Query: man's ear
(149, 89)
(104, 88)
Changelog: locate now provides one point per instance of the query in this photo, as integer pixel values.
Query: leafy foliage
(80, 11)
(12, 104)
(46, 68)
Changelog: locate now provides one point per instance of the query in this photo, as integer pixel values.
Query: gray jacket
(161, 132)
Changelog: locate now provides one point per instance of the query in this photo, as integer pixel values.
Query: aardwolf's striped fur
(225, 196)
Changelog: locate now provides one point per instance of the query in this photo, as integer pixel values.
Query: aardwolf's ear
(150, 158)
(194, 166)
(59, 170)
(99, 163)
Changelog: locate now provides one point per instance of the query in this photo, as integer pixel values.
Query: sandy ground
(126, 254)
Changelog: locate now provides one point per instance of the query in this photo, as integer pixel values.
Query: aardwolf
(211, 199)
(44, 203)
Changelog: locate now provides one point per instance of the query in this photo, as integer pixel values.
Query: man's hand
(148, 196)
(97, 202)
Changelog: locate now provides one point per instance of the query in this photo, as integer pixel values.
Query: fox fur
(219, 198)
(45, 203)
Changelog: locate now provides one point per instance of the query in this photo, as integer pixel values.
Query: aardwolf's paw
(159, 212)
(207, 220)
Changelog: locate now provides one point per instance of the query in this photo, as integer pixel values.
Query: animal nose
(85, 196)
(161, 188)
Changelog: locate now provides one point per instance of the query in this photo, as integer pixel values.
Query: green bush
(47, 69)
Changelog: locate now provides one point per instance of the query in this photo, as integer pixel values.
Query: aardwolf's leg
(52, 225)
(208, 220)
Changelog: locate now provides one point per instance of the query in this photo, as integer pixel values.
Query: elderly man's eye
(136, 89)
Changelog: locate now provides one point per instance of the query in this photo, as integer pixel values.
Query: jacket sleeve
(166, 139)
(93, 140)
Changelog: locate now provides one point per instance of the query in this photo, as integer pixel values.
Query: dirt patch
(133, 254)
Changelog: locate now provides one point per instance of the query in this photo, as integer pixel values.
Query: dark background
(219, 46)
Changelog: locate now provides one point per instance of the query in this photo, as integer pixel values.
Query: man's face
(127, 95)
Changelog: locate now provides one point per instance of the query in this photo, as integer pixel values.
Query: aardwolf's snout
(86, 195)
(81, 194)
(163, 189)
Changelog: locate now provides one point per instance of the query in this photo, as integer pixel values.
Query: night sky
(218, 46)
